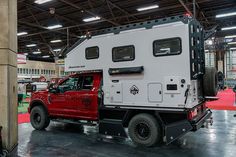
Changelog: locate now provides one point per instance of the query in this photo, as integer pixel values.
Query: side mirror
(33, 88)
(30, 88)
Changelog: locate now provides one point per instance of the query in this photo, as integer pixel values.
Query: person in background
(20, 93)
(221, 78)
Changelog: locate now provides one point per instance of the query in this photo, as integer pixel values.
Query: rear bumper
(177, 129)
(205, 119)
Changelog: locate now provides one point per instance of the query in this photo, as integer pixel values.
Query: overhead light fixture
(31, 45)
(91, 19)
(56, 50)
(41, 1)
(46, 56)
(206, 50)
(55, 41)
(83, 36)
(230, 36)
(36, 52)
(231, 43)
(233, 48)
(148, 8)
(21, 33)
(226, 15)
(54, 26)
(228, 28)
(26, 54)
(209, 42)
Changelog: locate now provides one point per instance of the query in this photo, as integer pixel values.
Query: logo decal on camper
(134, 90)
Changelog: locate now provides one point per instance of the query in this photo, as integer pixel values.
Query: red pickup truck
(76, 97)
(80, 97)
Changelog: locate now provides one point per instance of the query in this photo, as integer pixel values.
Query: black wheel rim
(142, 130)
(37, 118)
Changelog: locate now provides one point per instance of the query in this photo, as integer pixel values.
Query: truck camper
(146, 81)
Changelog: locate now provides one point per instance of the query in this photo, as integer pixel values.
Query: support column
(8, 73)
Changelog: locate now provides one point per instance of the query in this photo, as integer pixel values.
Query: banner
(21, 59)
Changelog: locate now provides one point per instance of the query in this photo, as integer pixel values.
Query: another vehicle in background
(40, 85)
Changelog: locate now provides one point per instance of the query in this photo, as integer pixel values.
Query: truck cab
(75, 97)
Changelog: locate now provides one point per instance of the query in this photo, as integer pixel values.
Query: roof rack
(146, 24)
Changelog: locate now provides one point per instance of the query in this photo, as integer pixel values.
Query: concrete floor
(67, 140)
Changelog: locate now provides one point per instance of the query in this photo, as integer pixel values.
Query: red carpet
(225, 102)
(23, 118)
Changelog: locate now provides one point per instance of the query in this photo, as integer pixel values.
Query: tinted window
(123, 53)
(69, 85)
(165, 47)
(92, 52)
(88, 82)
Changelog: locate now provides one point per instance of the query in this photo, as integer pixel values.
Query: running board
(82, 122)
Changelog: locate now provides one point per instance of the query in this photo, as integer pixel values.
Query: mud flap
(175, 130)
(112, 128)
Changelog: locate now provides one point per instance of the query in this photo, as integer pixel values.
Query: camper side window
(92, 52)
(165, 47)
(123, 53)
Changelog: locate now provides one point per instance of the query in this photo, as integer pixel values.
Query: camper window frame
(166, 39)
(86, 50)
(113, 59)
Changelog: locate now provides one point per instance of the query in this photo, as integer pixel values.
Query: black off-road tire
(210, 81)
(39, 118)
(144, 130)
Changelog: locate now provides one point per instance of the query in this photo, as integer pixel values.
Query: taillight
(192, 114)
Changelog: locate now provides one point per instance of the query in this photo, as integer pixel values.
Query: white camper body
(153, 78)
(165, 79)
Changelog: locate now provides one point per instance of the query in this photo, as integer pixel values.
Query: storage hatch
(116, 93)
(155, 92)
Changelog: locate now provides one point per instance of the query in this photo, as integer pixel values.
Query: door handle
(160, 92)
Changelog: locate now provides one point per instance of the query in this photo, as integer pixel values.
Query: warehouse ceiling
(41, 42)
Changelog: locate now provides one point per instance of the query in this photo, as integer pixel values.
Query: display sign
(220, 66)
(21, 59)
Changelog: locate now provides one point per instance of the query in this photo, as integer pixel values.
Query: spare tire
(210, 81)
